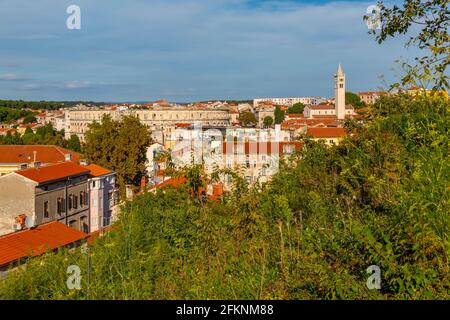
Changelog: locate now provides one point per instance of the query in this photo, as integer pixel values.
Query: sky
(189, 50)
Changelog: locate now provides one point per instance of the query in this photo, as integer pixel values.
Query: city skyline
(189, 50)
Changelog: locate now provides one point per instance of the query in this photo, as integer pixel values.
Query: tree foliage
(297, 108)
(429, 21)
(354, 100)
(268, 121)
(119, 146)
(247, 119)
(8, 115)
(73, 143)
(279, 115)
(45, 135)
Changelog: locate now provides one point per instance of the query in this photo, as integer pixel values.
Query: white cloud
(69, 85)
(13, 77)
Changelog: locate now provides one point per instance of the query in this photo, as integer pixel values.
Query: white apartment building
(290, 101)
(324, 111)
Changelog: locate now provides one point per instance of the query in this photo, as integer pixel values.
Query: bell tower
(339, 93)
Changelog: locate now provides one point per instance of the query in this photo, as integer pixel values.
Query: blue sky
(188, 50)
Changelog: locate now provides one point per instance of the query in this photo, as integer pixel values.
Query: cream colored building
(370, 97)
(161, 120)
(289, 101)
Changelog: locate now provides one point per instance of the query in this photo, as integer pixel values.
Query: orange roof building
(34, 242)
(97, 171)
(12, 157)
(44, 174)
(330, 135)
(46, 193)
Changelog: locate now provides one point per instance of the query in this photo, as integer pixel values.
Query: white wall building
(290, 101)
(159, 120)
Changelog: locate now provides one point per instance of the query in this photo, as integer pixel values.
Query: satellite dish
(29, 222)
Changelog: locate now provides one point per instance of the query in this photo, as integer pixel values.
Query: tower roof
(339, 71)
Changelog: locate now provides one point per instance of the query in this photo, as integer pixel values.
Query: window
(45, 209)
(86, 201)
(60, 205)
(70, 202)
(81, 198)
(84, 224)
(107, 219)
(93, 184)
(73, 224)
(75, 202)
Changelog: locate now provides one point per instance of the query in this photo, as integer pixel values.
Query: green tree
(28, 130)
(353, 99)
(247, 119)
(297, 108)
(279, 115)
(268, 121)
(16, 139)
(29, 119)
(430, 22)
(120, 146)
(74, 143)
(8, 138)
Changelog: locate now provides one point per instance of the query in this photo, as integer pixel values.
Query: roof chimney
(143, 183)
(68, 157)
(36, 164)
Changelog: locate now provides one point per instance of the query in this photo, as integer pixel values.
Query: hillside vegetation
(379, 198)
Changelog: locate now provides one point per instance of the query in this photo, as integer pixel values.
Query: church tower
(339, 93)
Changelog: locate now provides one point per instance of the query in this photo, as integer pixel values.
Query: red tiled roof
(327, 120)
(326, 132)
(34, 242)
(44, 154)
(295, 115)
(97, 171)
(53, 172)
(182, 125)
(172, 182)
(29, 125)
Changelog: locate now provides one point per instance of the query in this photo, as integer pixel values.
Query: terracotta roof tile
(34, 242)
(44, 154)
(97, 171)
(53, 172)
(172, 182)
